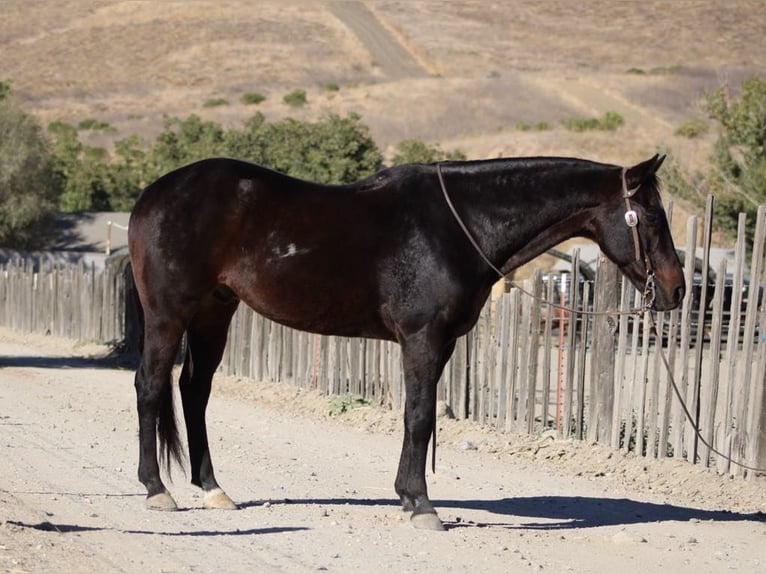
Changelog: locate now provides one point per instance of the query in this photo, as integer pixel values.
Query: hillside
(461, 74)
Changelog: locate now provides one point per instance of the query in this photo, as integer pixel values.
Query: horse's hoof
(218, 499)
(162, 501)
(427, 521)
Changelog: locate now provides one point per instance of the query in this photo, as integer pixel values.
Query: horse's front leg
(423, 359)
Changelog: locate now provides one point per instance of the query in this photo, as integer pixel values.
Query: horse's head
(632, 230)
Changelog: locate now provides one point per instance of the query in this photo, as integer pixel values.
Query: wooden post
(757, 397)
(602, 386)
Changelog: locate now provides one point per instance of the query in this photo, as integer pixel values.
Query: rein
(631, 219)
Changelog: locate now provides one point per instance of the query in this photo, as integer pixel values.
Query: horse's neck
(514, 233)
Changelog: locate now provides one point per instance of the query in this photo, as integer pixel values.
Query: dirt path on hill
(315, 492)
(393, 58)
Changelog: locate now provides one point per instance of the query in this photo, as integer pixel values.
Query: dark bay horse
(409, 255)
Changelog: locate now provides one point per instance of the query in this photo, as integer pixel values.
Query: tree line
(45, 172)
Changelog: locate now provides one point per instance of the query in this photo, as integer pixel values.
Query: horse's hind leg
(206, 339)
(155, 408)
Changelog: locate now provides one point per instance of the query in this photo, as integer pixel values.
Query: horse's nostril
(679, 294)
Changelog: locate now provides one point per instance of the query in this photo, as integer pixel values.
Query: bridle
(631, 219)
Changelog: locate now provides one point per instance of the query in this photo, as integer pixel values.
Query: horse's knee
(419, 418)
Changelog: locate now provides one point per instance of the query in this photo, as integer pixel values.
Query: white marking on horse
(289, 251)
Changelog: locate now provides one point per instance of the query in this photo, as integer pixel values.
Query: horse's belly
(330, 307)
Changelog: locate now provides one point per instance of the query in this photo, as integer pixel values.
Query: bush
(5, 90)
(336, 150)
(415, 151)
(610, 121)
(295, 99)
(215, 102)
(28, 187)
(692, 129)
(678, 183)
(540, 126)
(252, 98)
(96, 125)
(738, 174)
(80, 169)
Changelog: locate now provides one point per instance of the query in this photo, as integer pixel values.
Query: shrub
(340, 404)
(540, 126)
(5, 90)
(95, 125)
(28, 187)
(252, 98)
(416, 151)
(738, 174)
(335, 150)
(610, 121)
(677, 183)
(215, 102)
(295, 99)
(692, 129)
(331, 87)
(581, 124)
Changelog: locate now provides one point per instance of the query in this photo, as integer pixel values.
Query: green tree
(334, 150)
(28, 188)
(738, 177)
(128, 172)
(416, 151)
(185, 141)
(81, 171)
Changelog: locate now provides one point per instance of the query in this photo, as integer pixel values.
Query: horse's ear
(640, 173)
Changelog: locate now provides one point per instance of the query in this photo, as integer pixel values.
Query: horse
(408, 254)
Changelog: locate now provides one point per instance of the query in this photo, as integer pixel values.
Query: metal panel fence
(524, 367)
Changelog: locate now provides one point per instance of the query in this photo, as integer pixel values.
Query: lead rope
(695, 427)
(649, 294)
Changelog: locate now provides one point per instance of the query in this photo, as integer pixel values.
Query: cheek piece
(631, 219)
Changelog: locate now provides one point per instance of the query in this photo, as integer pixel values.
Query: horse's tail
(167, 426)
(167, 430)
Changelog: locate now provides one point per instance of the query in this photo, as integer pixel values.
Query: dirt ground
(315, 491)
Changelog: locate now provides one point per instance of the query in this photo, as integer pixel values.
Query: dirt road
(315, 492)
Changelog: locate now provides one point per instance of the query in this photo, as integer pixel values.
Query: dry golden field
(461, 74)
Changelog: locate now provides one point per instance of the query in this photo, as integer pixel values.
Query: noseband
(631, 219)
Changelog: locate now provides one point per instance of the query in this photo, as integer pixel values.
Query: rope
(688, 414)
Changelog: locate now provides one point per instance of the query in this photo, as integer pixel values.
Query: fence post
(606, 296)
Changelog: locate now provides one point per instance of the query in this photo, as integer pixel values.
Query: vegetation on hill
(28, 186)
(738, 163)
(43, 173)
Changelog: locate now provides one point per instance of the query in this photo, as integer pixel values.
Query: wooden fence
(72, 300)
(523, 368)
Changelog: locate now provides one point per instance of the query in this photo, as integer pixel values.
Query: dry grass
(492, 66)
